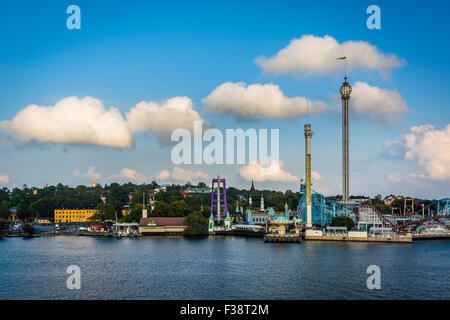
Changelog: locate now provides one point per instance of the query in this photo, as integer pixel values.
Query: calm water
(220, 268)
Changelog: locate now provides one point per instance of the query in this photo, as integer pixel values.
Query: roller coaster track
(323, 209)
(412, 225)
(384, 220)
(368, 214)
(407, 209)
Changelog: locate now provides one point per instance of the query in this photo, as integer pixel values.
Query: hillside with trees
(109, 200)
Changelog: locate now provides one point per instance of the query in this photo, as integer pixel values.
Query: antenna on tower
(345, 67)
(307, 110)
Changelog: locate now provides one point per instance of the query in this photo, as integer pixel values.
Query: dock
(430, 236)
(269, 237)
(238, 233)
(360, 239)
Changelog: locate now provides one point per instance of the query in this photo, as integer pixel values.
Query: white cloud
(163, 118)
(394, 177)
(259, 173)
(183, 175)
(430, 148)
(417, 175)
(380, 104)
(258, 100)
(393, 149)
(70, 121)
(311, 55)
(90, 174)
(164, 175)
(315, 175)
(4, 178)
(130, 175)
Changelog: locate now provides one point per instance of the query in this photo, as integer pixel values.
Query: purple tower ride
(219, 199)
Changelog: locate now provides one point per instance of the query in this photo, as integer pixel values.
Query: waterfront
(220, 268)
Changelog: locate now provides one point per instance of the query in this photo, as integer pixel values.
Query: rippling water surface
(220, 268)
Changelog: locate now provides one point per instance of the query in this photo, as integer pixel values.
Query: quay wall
(360, 239)
(431, 236)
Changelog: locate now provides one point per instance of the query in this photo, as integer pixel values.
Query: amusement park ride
(323, 210)
(219, 220)
(315, 210)
(409, 216)
(318, 211)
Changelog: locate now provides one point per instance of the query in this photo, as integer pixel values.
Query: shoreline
(413, 239)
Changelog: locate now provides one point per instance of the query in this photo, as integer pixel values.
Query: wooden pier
(269, 237)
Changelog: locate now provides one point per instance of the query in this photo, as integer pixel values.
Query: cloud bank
(311, 55)
(4, 178)
(258, 172)
(90, 174)
(258, 100)
(183, 175)
(163, 118)
(430, 148)
(394, 177)
(315, 175)
(130, 175)
(70, 121)
(383, 105)
(86, 122)
(176, 175)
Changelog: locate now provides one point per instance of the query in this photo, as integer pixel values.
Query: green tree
(279, 206)
(4, 209)
(3, 225)
(161, 209)
(108, 210)
(44, 207)
(342, 221)
(117, 207)
(379, 204)
(28, 228)
(4, 195)
(177, 209)
(105, 211)
(16, 199)
(139, 192)
(201, 185)
(398, 203)
(118, 193)
(24, 211)
(135, 214)
(197, 224)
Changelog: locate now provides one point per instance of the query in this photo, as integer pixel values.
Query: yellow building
(63, 215)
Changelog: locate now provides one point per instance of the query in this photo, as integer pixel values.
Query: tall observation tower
(346, 91)
(308, 135)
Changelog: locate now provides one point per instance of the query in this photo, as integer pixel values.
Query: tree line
(109, 200)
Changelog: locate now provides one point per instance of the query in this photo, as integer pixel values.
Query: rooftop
(162, 221)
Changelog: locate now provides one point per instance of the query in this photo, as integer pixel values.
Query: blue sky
(128, 52)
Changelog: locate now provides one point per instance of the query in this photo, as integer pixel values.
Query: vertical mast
(218, 199)
(345, 91)
(308, 135)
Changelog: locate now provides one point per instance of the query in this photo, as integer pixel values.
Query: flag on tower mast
(344, 58)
